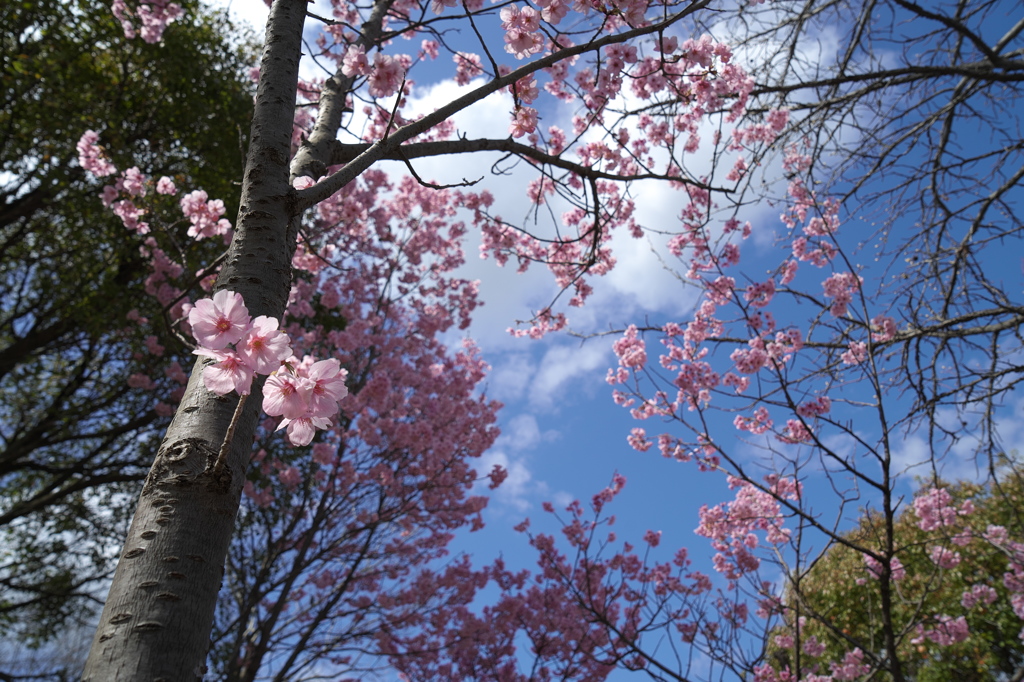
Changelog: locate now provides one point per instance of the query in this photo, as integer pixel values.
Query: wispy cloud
(566, 362)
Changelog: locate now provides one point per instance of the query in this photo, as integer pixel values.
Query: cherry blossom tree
(807, 360)
(158, 614)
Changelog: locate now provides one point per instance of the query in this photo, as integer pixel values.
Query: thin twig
(222, 456)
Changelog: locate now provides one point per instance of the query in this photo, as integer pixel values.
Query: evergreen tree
(76, 324)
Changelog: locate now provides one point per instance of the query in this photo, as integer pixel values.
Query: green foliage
(73, 434)
(840, 601)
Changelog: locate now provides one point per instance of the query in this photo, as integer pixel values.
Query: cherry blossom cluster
(935, 509)
(384, 76)
(305, 393)
(841, 287)
(730, 526)
(123, 198)
(770, 348)
(876, 569)
(946, 631)
(467, 67)
(92, 157)
(852, 667)
(153, 17)
(204, 214)
(692, 77)
(670, 589)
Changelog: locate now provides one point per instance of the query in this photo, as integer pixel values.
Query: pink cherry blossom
(301, 430)
(154, 16)
(852, 667)
(796, 432)
(130, 215)
(204, 215)
(467, 67)
(856, 353)
(287, 395)
(815, 408)
(229, 373)
(553, 11)
(430, 48)
(386, 75)
(354, 63)
(290, 477)
(789, 272)
(934, 509)
(133, 182)
(883, 328)
(219, 321)
(153, 345)
(524, 123)
(944, 558)
(264, 347)
(437, 6)
(757, 424)
(947, 631)
(631, 350)
(139, 380)
(521, 36)
(91, 155)
(638, 440)
(840, 287)
(328, 387)
(166, 186)
(760, 294)
(812, 647)
(875, 567)
(526, 89)
(109, 196)
(983, 594)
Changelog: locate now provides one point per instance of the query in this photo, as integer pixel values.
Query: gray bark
(158, 615)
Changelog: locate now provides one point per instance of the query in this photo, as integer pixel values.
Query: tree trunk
(157, 619)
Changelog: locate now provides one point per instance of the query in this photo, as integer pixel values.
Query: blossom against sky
(563, 437)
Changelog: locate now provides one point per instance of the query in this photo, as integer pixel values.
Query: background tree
(74, 432)
(946, 570)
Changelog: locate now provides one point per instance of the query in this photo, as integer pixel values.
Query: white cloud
(566, 362)
(510, 376)
(521, 433)
(911, 455)
(252, 13)
(516, 490)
